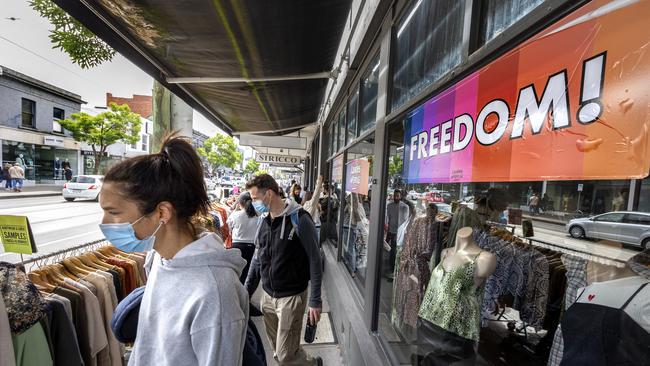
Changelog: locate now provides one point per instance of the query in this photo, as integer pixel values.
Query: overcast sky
(26, 48)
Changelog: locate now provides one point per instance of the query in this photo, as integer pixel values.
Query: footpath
(30, 192)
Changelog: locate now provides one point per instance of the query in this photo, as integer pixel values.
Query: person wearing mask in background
(295, 193)
(17, 176)
(397, 212)
(311, 204)
(243, 223)
(194, 311)
(287, 260)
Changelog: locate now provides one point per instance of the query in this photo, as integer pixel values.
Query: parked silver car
(621, 226)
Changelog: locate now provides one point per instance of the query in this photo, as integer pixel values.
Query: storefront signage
(16, 235)
(90, 153)
(275, 160)
(356, 180)
(337, 169)
(571, 103)
(53, 141)
(281, 142)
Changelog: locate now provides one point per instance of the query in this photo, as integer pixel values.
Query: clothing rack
(64, 253)
(578, 253)
(505, 226)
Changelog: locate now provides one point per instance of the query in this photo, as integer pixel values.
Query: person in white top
(243, 224)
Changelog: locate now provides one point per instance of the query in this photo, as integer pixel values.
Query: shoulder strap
(634, 295)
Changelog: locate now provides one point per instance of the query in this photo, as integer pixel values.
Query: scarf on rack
(25, 306)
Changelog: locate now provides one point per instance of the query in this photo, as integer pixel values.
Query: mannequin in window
(450, 314)
(20, 160)
(57, 168)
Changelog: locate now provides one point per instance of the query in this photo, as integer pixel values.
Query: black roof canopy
(247, 65)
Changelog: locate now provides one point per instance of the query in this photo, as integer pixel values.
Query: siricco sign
(274, 159)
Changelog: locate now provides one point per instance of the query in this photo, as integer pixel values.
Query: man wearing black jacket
(286, 260)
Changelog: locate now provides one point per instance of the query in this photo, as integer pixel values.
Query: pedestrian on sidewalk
(194, 311)
(244, 223)
(286, 260)
(17, 176)
(7, 177)
(68, 173)
(534, 204)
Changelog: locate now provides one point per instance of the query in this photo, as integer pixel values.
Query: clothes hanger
(74, 268)
(90, 260)
(37, 280)
(64, 273)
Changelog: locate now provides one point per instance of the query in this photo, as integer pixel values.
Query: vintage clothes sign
(356, 179)
(570, 103)
(16, 234)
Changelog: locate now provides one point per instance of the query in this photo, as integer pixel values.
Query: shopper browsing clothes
(194, 311)
(243, 224)
(396, 214)
(17, 175)
(295, 193)
(287, 259)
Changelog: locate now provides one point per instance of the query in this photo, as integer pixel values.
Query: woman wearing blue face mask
(194, 310)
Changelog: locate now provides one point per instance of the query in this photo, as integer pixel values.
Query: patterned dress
(453, 301)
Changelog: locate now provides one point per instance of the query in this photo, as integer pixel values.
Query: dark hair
(264, 182)
(246, 202)
(396, 192)
(294, 187)
(154, 178)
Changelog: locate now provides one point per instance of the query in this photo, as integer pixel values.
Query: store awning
(248, 66)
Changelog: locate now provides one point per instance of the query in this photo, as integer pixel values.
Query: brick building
(140, 104)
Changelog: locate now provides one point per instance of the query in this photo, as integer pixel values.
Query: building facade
(520, 111)
(140, 104)
(29, 130)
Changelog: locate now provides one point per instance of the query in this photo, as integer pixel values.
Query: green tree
(395, 165)
(251, 167)
(69, 35)
(221, 152)
(118, 124)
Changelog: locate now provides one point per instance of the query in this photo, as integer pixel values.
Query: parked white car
(83, 186)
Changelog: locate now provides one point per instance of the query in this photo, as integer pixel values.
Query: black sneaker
(319, 361)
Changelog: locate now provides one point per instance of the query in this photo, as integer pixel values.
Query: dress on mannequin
(421, 239)
(450, 313)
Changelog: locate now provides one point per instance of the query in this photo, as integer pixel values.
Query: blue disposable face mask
(260, 206)
(122, 236)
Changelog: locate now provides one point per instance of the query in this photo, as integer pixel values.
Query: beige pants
(283, 321)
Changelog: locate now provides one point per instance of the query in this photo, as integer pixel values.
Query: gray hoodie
(194, 310)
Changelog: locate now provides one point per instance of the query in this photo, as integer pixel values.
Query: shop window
(498, 15)
(145, 142)
(57, 115)
(353, 106)
(330, 202)
(511, 316)
(28, 113)
(341, 130)
(428, 45)
(369, 91)
(356, 208)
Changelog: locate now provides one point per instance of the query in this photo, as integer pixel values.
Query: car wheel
(69, 199)
(577, 232)
(645, 244)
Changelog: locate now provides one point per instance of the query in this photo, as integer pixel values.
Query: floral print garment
(25, 306)
(453, 302)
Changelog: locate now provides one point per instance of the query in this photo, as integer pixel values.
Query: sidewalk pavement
(32, 191)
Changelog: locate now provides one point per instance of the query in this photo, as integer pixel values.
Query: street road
(56, 224)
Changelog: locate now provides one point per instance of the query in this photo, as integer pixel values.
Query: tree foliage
(118, 124)
(395, 165)
(69, 35)
(221, 152)
(251, 167)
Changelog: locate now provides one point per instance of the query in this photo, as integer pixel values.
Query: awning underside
(228, 39)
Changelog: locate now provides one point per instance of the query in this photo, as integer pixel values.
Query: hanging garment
(64, 338)
(609, 324)
(452, 300)
(25, 306)
(6, 345)
(31, 347)
(413, 275)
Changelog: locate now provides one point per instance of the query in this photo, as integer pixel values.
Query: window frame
(55, 120)
(32, 113)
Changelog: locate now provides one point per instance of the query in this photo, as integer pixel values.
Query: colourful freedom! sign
(358, 171)
(16, 235)
(571, 103)
(337, 169)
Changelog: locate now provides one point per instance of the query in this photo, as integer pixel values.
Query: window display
(495, 297)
